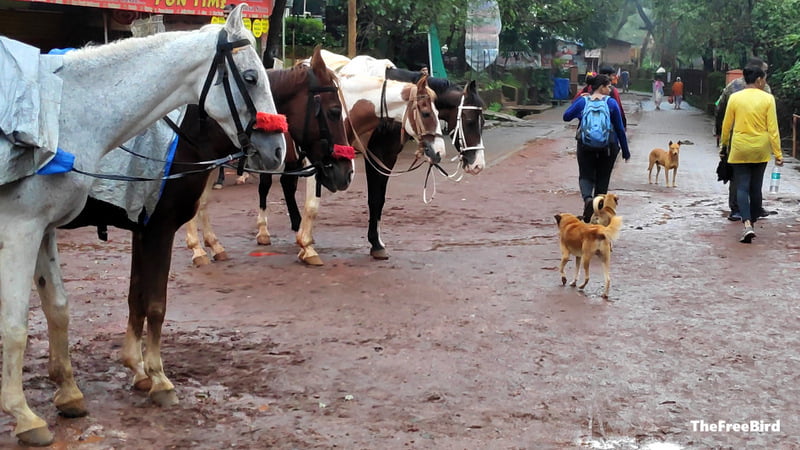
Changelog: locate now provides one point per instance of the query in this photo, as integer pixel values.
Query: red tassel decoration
(271, 123)
(343, 151)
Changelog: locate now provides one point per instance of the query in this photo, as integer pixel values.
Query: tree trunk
(273, 49)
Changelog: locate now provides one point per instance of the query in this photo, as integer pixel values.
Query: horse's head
(322, 136)
(422, 121)
(462, 110)
(468, 132)
(237, 95)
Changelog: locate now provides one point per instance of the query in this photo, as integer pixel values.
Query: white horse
(111, 93)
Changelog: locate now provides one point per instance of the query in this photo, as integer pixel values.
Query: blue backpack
(595, 129)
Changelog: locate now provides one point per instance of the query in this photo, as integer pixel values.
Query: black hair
(598, 81)
(752, 73)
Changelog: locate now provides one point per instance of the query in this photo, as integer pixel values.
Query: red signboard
(254, 9)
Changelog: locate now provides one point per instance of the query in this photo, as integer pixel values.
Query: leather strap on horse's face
(314, 107)
(412, 110)
(458, 135)
(224, 53)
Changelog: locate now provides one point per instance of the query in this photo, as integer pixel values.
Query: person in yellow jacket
(750, 131)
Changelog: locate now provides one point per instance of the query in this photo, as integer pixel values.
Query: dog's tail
(613, 228)
(597, 203)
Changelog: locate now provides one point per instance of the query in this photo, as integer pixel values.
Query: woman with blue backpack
(601, 135)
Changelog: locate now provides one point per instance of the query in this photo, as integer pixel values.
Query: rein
(225, 51)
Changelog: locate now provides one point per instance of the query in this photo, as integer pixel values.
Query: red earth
(465, 338)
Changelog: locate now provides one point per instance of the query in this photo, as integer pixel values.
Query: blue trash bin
(561, 89)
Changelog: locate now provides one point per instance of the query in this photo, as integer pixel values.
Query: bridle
(458, 135)
(225, 51)
(277, 122)
(314, 108)
(412, 114)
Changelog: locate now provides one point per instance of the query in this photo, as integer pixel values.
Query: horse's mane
(120, 48)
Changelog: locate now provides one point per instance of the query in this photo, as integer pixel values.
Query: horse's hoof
(200, 261)
(263, 240)
(313, 261)
(165, 398)
(72, 409)
(216, 187)
(380, 254)
(145, 384)
(573, 284)
(37, 437)
(563, 281)
(221, 256)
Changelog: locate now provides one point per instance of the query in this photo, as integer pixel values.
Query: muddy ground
(465, 338)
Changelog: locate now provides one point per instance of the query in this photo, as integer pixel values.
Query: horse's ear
(317, 62)
(423, 81)
(472, 86)
(234, 24)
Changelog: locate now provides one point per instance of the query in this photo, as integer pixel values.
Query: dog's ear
(558, 218)
(670, 143)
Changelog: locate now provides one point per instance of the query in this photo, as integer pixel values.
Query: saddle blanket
(30, 102)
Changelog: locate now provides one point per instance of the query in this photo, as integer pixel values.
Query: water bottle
(775, 181)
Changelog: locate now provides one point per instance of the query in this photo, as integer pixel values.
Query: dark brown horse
(375, 106)
(461, 108)
(308, 97)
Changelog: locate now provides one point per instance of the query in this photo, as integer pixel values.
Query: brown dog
(666, 159)
(605, 207)
(585, 240)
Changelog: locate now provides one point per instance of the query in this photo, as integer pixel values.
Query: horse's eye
(250, 76)
(335, 114)
(426, 114)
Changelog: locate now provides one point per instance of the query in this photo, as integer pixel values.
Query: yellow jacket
(750, 127)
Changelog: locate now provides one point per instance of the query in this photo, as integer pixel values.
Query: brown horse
(309, 98)
(461, 108)
(375, 106)
(319, 138)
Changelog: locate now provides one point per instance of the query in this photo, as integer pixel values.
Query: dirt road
(465, 338)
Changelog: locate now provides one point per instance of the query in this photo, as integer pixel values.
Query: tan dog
(605, 207)
(666, 159)
(584, 241)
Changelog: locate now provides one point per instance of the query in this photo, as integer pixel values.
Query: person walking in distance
(677, 93)
(599, 130)
(750, 132)
(735, 86)
(658, 92)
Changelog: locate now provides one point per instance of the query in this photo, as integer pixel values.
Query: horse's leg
(132, 347)
(17, 262)
(305, 238)
(49, 283)
(220, 179)
(264, 183)
(147, 299)
(209, 237)
(376, 198)
(199, 255)
(289, 186)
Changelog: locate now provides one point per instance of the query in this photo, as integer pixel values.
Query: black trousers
(594, 169)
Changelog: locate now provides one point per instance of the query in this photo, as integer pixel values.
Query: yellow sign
(260, 26)
(218, 20)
